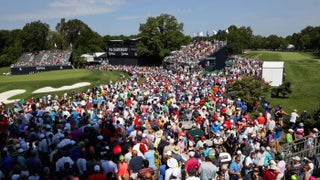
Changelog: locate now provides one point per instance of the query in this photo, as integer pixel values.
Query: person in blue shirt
(215, 127)
(235, 169)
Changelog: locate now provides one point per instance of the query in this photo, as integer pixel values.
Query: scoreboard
(122, 48)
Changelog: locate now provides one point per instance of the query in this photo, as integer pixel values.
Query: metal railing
(299, 143)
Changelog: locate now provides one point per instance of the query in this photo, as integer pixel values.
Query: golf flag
(227, 31)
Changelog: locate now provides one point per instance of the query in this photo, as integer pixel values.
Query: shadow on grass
(279, 97)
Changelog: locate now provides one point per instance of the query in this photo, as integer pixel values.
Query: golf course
(302, 70)
(56, 79)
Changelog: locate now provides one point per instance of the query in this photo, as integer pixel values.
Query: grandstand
(33, 62)
(198, 54)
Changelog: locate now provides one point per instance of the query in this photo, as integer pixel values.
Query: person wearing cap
(270, 173)
(200, 142)
(218, 143)
(289, 136)
(173, 171)
(310, 163)
(293, 117)
(249, 162)
(192, 162)
(280, 163)
(296, 167)
(21, 160)
(207, 169)
(44, 150)
(176, 153)
(299, 131)
(97, 175)
(123, 172)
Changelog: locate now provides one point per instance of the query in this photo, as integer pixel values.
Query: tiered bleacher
(32, 62)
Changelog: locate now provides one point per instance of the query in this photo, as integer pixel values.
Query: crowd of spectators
(194, 53)
(135, 129)
(44, 58)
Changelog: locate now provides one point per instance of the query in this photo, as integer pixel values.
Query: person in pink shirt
(192, 162)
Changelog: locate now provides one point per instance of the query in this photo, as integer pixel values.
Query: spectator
(97, 175)
(295, 168)
(235, 169)
(207, 170)
(146, 172)
(173, 171)
(135, 164)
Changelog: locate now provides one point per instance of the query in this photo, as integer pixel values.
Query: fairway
(303, 71)
(56, 79)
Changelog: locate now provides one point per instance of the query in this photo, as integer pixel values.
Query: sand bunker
(8, 94)
(51, 89)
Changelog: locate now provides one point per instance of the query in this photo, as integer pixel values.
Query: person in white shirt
(249, 162)
(173, 172)
(272, 124)
(293, 117)
(60, 163)
(311, 165)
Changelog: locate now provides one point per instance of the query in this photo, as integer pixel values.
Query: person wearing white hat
(296, 167)
(192, 162)
(310, 163)
(96, 173)
(300, 131)
(174, 171)
(289, 136)
(217, 143)
(293, 117)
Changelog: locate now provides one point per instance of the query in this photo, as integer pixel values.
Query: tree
(250, 90)
(80, 38)
(239, 39)
(11, 47)
(160, 35)
(283, 89)
(34, 36)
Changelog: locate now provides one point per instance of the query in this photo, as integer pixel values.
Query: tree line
(158, 36)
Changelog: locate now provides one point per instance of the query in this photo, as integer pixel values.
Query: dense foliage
(158, 36)
(250, 89)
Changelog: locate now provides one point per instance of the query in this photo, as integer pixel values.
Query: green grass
(303, 71)
(4, 70)
(56, 79)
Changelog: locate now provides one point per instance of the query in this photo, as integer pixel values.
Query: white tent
(272, 72)
(88, 57)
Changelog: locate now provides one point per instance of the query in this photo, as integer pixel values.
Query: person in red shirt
(261, 120)
(271, 173)
(192, 162)
(97, 175)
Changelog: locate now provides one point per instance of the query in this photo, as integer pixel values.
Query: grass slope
(56, 79)
(303, 71)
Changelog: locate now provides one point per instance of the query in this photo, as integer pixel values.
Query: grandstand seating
(44, 58)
